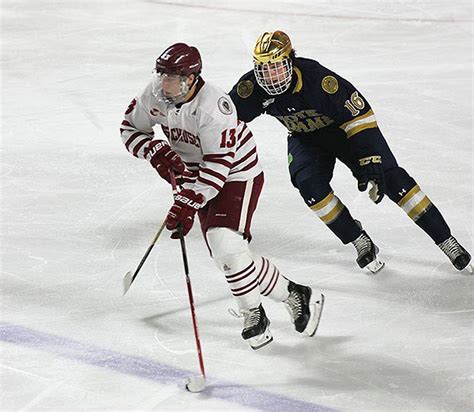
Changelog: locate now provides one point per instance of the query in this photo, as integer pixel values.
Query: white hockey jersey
(215, 146)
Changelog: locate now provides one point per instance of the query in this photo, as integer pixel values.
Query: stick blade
(196, 384)
(127, 282)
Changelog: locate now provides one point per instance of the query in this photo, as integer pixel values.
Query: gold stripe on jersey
(299, 82)
(328, 209)
(362, 122)
(415, 203)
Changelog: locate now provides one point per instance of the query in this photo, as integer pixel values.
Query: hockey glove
(370, 171)
(186, 204)
(163, 158)
(164, 172)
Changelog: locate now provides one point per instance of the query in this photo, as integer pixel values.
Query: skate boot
(256, 327)
(305, 308)
(458, 256)
(367, 253)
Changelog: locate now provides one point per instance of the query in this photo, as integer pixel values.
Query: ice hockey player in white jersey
(214, 157)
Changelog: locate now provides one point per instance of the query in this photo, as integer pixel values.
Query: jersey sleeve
(344, 103)
(348, 107)
(217, 135)
(136, 129)
(246, 98)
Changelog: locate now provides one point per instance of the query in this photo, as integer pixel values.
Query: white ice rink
(78, 212)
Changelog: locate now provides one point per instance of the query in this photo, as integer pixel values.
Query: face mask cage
(169, 88)
(274, 78)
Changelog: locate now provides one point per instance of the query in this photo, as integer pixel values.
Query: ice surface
(78, 212)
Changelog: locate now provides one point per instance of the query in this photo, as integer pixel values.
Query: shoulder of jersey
(146, 95)
(246, 85)
(323, 78)
(216, 100)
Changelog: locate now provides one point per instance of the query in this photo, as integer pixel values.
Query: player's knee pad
(397, 183)
(229, 249)
(232, 256)
(313, 188)
(403, 190)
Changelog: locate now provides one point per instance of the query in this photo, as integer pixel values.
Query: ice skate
(305, 308)
(459, 257)
(367, 253)
(256, 327)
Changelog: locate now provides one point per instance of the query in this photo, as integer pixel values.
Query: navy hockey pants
(312, 159)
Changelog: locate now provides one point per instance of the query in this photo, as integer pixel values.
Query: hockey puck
(196, 384)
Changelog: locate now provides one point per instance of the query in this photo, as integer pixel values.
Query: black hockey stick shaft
(149, 250)
(128, 280)
(188, 283)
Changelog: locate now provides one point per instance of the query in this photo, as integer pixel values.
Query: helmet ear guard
(273, 62)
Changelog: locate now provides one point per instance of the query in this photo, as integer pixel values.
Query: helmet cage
(274, 78)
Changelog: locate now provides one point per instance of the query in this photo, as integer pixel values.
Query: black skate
(305, 309)
(458, 256)
(256, 327)
(367, 253)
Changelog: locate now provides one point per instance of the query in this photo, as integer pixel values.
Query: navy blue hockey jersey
(318, 101)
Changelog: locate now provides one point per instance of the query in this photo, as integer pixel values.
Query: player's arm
(355, 117)
(137, 135)
(246, 98)
(136, 129)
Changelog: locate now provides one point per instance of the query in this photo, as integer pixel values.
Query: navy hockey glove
(186, 204)
(163, 158)
(370, 171)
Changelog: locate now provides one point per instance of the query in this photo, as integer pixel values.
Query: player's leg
(228, 238)
(311, 170)
(302, 302)
(230, 253)
(402, 189)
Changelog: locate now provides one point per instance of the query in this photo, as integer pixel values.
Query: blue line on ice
(149, 369)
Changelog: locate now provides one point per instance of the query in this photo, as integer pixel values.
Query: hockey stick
(129, 277)
(198, 383)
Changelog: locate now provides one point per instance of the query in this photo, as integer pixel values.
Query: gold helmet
(272, 47)
(272, 58)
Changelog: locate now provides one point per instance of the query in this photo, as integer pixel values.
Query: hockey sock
(425, 214)
(345, 227)
(337, 218)
(244, 283)
(271, 282)
(232, 256)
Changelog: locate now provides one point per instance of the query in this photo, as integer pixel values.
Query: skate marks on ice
(148, 369)
(373, 379)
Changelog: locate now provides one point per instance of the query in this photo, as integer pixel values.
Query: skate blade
(469, 268)
(261, 340)
(316, 309)
(375, 266)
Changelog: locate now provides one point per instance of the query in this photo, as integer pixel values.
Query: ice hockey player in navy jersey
(215, 158)
(327, 118)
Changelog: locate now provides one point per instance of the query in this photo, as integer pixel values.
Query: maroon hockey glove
(370, 170)
(162, 158)
(165, 174)
(186, 204)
